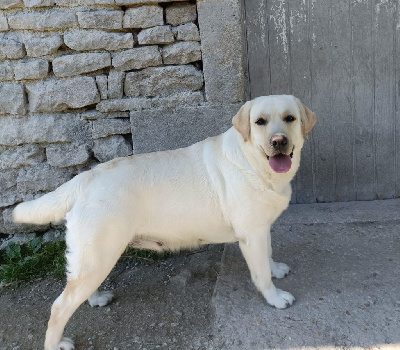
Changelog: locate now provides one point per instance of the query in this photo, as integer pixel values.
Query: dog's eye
(261, 121)
(289, 119)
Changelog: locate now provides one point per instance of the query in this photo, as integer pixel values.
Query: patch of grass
(145, 255)
(32, 260)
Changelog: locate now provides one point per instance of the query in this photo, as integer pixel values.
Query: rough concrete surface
(195, 124)
(345, 278)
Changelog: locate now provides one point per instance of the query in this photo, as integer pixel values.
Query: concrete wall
(84, 81)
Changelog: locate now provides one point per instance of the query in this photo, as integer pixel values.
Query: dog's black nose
(279, 141)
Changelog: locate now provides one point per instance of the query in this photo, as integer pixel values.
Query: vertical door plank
(342, 101)
(257, 47)
(363, 94)
(384, 13)
(321, 84)
(300, 60)
(397, 97)
(279, 47)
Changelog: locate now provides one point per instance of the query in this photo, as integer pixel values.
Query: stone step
(345, 260)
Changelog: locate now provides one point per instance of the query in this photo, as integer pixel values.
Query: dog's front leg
(255, 249)
(279, 270)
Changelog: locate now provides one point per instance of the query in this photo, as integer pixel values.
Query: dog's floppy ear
(241, 121)
(308, 118)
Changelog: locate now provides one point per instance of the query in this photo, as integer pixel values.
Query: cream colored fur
(219, 190)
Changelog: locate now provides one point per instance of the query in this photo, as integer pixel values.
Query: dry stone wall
(70, 73)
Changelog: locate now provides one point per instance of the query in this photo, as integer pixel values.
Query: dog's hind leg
(89, 264)
(100, 298)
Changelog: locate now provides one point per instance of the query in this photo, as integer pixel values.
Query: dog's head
(275, 125)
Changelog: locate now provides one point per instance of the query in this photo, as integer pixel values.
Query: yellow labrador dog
(227, 188)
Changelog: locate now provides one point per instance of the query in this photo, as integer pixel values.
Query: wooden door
(342, 59)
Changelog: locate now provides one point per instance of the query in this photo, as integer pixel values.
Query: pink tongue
(280, 163)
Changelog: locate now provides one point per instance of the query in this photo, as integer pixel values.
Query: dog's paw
(278, 298)
(100, 298)
(279, 270)
(66, 344)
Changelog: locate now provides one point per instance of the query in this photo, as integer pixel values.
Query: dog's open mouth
(280, 163)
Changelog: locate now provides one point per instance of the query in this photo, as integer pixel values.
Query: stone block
(163, 81)
(3, 23)
(39, 3)
(48, 128)
(11, 49)
(9, 197)
(100, 19)
(87, 40)
(140, 2)
(42, 177)
(161, 129)
(55, 235)
(222, 50)
(156, 35)
(20, 230)
(101, 81)
(73, 3)
(31, 69)
(123, 104)
(93, 115)
(9, 4)
(104, 128)
(111, 147)
(12, 99)
(137, 58)
(180, 13)
(26, 155)
(182, 52)
(187, 32)
(59, 95)
(55, 19)
(41, 46)
(137, 103)
(67, 154)
(18, 238)
(143, 17)
(70, 65)
(115, 84)
(8, 182)
(184, 99)
(6, 71)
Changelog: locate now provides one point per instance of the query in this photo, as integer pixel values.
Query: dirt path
(162, 305)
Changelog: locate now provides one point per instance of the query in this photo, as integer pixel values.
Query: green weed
(32, 260)
(139, 255)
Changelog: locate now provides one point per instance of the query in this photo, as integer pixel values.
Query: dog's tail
(51, 207)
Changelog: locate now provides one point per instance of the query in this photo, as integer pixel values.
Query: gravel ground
(161, 305)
